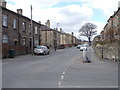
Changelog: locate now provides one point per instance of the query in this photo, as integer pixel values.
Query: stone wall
(108, 51)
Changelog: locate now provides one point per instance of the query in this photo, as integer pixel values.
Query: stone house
(17, 34)
(116, 24)
(102, 35)
(50, 37)
(111, 38)
(63, 38)
(111, 29)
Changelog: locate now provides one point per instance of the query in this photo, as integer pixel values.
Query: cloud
(107, 6)
(70, 17)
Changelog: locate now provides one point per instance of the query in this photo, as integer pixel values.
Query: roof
(18, 14)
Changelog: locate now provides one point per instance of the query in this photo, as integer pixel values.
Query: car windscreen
(84, 45)
(39, 47)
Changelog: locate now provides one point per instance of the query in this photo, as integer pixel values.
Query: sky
(70, 14)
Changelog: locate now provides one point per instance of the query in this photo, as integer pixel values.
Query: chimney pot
(3, 3)
(19, 11)
(48, 23)
(39, 22)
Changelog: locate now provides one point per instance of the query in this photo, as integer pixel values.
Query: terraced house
(16, 32)
(111, 31)
(55, 38)
(21, 34)
(110, 38)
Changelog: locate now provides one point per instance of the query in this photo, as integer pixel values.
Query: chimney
(60, 29)
(39, 22)
(48, 23)
(72, 33)
(3, 3)
(114, 12)
(19, 11)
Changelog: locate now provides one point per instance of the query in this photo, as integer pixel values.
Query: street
(60, 69)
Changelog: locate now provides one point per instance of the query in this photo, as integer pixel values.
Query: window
(23, 41)
(36, 32)
(14, 23)
(24, 26)
(5, 39)
(36, 42)
(5, 20)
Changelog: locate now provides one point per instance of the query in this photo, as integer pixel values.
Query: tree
(88, 30)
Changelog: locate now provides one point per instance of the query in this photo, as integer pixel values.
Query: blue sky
(98, 16)
(62, 4)
(70, 14)
(97, 13)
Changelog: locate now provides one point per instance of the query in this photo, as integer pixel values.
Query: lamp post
(46, 36)
(102, 51)
(57, 39)
(31, 33)
(57, 26)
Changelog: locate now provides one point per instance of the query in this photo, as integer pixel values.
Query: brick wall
(19, 50)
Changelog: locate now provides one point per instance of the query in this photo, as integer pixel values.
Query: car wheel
(48, 52)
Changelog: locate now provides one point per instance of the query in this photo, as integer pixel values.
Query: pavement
(23, 56)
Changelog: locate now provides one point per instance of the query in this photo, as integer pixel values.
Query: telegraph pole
(57, 26)
(31, 33)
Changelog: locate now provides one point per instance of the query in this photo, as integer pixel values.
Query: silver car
(78, 47)
(41, 50)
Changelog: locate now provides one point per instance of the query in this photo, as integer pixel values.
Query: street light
(31, 33)
(102, 51)
(57, 26)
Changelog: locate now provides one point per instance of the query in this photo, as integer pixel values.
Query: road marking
(60, 83)
(63, 73)
(62, 77)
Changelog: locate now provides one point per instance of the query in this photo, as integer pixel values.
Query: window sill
(15, 28)
(5, 26)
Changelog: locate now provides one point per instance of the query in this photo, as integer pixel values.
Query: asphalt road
(60, 69)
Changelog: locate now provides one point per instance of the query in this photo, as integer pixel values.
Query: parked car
(78, 47)
(41, 50)
(84, 46)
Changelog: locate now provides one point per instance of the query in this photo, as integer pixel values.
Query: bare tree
(88, 30)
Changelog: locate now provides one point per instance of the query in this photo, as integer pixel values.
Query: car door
(46, 51)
